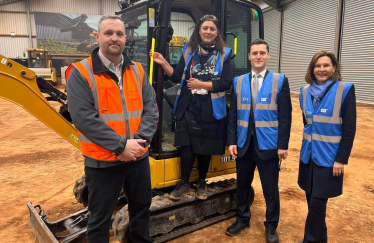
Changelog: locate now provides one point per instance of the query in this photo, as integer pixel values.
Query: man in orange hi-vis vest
(114, 108)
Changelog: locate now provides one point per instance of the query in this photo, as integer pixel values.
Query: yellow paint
(151, 64)
(172, 217)
(23, 91)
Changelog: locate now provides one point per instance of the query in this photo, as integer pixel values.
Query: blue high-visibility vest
(218, 98)
(323, 131)
(266, 110)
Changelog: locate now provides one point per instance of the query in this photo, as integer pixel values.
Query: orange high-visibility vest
(120, 108)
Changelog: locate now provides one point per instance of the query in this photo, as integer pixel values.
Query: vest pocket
(267, 137)
(135, 100)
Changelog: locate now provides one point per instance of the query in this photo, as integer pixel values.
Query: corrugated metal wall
(67, 6)
(309, 26)
(13, 22)
(94, 7)
(357, 49)
(272, 29)
(18, 6)
(182, 24)
(13, 47)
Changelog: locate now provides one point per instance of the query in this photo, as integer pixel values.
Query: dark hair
(195, 37)
(309, 76)
(259, 42)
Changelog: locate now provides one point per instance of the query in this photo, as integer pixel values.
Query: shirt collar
(107, 63)
(262, 73)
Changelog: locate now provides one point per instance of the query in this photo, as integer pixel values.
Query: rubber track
(192, 228)
(121, 220)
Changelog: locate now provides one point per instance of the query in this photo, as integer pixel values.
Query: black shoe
(236, 228)
(272, 236)
(201, 190)
(180, 190)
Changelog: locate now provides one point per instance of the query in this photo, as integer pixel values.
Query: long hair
(309, 76)
(195, 37)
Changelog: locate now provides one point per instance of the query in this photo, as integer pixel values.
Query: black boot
(180, 190)
(236, 228)
(201, 189)
(272, 236)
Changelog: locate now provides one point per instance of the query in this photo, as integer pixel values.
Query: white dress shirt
(260, 79)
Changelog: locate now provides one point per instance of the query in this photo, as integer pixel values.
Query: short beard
(113, 52)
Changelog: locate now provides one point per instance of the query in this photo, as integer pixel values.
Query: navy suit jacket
(284, 124)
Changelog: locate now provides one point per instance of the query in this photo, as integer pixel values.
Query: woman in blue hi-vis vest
(204, 73)
(329, 114)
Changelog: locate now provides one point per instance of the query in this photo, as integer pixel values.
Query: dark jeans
(269, 175)
(104, 187)
(315, 226)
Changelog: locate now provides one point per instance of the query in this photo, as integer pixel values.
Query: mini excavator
(148, 26)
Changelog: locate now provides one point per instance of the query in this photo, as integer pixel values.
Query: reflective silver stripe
(136, 73)
(334, 119)
(132, 136)
(242, 123)
(245, 107)
(272, 107)
(239, 92)
(274, 92)
(184, 76)
(218, 78)
(328, 119)
(307, 137)
(135, 114)
(217, 95)
(309, 121)
(305, 91)
(179, 92)
(266, 123)
(112, 117)
(91, 75)
(327, 139)
(83, 138)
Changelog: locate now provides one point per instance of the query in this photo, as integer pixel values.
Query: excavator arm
(18, 84)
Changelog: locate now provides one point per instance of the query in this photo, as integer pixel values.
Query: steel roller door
(309, 26)
(272, 24)
(357, 49)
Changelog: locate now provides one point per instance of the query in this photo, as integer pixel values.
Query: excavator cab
(150, 25)
(240, 21)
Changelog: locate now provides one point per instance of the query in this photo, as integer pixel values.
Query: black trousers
(269, 175)
(104, 187)
(315, 226)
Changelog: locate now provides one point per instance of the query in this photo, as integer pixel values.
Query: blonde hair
(309, 76)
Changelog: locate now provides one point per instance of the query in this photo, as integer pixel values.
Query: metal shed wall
(357, 49)
(304, 33)
(13, 47)
(182, 24)
(272, 29)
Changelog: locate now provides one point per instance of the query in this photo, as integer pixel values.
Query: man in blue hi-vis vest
(259, 126)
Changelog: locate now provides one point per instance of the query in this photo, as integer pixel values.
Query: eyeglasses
(208, 15)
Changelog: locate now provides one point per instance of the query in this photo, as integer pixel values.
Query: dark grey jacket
(86, 118)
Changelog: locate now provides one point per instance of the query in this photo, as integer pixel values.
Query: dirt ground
(38, 166)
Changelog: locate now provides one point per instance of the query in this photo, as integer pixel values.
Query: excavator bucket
(69, 229)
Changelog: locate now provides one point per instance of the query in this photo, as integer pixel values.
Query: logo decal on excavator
(74, 138)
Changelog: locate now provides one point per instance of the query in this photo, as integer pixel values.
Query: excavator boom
(18, 84)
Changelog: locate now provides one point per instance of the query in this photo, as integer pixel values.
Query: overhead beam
(273, 3)
(5, 2)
